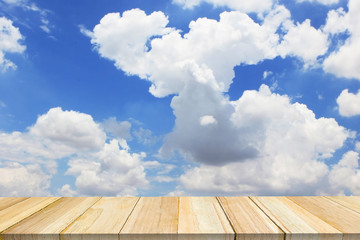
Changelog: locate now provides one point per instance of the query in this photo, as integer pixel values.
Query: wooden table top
(180, 218)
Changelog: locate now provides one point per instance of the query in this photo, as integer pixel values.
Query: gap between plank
(30, 214)
(77, 218)
(16, 203)
(343, 235)
(128, 217)
(341, 204)
(227, 217)
(268, 217)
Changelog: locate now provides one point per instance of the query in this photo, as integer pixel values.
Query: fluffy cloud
(20, 180)
(70, 128)
(277, 146)
(10, 42)
(349, 103)
(290, 143)
(29, 159)
(345, 62)
(304, 41)
(345, 175)
(257, 6)
(112, 171)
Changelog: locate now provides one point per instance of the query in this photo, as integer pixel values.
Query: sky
(179, 97)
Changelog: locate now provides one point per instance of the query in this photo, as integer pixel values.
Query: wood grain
(51, 220)
(248, 220)
(23, 209)
(352, 202)
(202, 218)
(103, 220)
(6, 202)
(295, 221)
(153, 218)
(343, 219)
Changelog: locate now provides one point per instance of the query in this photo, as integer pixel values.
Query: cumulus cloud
(258, 6)
(345, 62)
(345, 175)
(204, 54)
(20, 180)
(10, 42)
(349, 103)
(29, 159)
(290, 142)
(304, 41)
(276, 145)
(111, 171)
(71, 128)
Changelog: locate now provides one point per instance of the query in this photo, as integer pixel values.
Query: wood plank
(153, 218)
(343, 219)
(6, 202)
(352, 202)
(18, 212)
(202, 218)
(103, 220)
(51, 220)
(295, 221)
(248, 220)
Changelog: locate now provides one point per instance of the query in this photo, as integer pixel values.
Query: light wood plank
(202, 218)
(6, 202)
(18, 212)
(50, 221)
(295, 221)
(343, 219)
(352, 202)
(248, 220)
(153, 218)
(103, 220)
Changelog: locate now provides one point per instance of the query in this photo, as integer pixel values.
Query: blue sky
(179, 97)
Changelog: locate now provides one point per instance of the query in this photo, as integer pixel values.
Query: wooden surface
(180, 218)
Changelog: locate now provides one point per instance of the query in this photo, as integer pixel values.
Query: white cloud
(345, 175)
(15, 2)
(30, 6)
(335, 21)
(258, 6)
(165, 179)
(349, 103)
(134, 28)
(112, 171)
(325, 2)
(277, 146)
(290, 143)
(357, 146)
(10, 42)
(345, 62)
(19, 180)
(66, 191)
(204, 54)
(60, 134)
(71, 128)
(207, 120)
(266, 74)
(305, 42)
